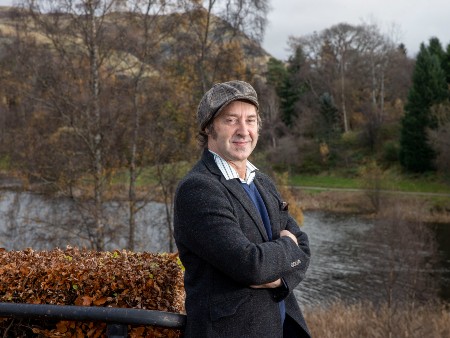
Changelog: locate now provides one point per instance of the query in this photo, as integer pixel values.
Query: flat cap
(222, 94)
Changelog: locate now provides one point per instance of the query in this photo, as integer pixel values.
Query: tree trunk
(97, 138)
(344, 109)
(133, 175)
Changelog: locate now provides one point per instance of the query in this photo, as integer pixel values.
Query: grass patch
(149, 175)
(420, 185)
(4, 163)
(324, 181)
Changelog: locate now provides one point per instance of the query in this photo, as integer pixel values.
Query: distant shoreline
(424, 207)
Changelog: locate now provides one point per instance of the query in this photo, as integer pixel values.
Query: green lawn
(148, 175)
(324, 181)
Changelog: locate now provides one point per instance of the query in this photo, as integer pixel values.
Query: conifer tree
(287, 83)
(446, 64)
(276, 75)
(329, 126)
(292, 88)
(435, 48)
(429, 87)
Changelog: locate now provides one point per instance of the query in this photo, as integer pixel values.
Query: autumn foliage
(90, 278)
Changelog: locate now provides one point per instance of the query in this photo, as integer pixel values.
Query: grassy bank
(366, 320)
(424, 199)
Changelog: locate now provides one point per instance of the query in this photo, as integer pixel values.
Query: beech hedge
(89, 278)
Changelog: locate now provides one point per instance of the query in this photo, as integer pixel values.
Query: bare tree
(216, 27)
(145, 46)
(88, 58)
(353, 63)
(344, 40)
(270, 111)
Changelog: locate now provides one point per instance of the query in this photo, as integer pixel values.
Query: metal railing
(117, 319)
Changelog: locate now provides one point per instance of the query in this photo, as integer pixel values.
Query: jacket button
(297, 262)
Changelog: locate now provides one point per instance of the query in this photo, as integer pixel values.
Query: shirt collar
(229, 172)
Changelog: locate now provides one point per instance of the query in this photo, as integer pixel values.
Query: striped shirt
(229, 172)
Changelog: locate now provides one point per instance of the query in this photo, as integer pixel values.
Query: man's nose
(242, 127)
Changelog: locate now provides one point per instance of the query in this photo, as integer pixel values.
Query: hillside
(168, 33)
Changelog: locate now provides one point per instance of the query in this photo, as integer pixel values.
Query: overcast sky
(415, 21)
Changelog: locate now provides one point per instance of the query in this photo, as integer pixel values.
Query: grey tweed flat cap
(222, 94)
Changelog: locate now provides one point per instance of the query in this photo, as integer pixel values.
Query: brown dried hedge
(89, 278)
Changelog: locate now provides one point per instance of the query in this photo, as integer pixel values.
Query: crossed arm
(277, 283)
(220, 239)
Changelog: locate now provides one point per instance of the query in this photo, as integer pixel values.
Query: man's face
(234, 131)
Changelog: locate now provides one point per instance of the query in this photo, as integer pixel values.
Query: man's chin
(241, 155)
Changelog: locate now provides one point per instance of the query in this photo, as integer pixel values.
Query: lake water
(350, 261)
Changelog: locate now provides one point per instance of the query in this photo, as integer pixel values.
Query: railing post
(116, 331)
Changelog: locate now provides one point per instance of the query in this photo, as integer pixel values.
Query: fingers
(271, 285)
(287, 233)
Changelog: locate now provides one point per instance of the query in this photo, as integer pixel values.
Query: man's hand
(271, 285)
(287, 233)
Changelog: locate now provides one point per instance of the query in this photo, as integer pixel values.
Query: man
(243, 253)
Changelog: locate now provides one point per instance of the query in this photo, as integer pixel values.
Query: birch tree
(96, 94)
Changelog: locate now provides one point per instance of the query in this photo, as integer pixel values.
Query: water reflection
(349, 262)
(40, 222)
(337, 265)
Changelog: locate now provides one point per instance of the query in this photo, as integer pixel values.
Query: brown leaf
(83, 301)
(79, 333)
(62, 326)
(137, 332)
(100, 301)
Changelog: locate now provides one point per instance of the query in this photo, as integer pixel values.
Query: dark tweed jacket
(224, 247)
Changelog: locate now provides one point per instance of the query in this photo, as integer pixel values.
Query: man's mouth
(240, 143)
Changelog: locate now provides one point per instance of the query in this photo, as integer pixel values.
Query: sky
(410, 22)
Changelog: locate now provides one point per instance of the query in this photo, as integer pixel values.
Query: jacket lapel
(234, 187)
(272, 207)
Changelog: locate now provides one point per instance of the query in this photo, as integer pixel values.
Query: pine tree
(329, 126)
(435, 48)
(276, 74)
(446, 64)
(429, 87)
(292, 88)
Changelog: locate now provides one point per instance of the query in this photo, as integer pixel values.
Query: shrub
(390, 153)
(90, 278)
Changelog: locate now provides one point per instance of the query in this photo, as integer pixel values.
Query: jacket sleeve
(294, 276)
(206, 225)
